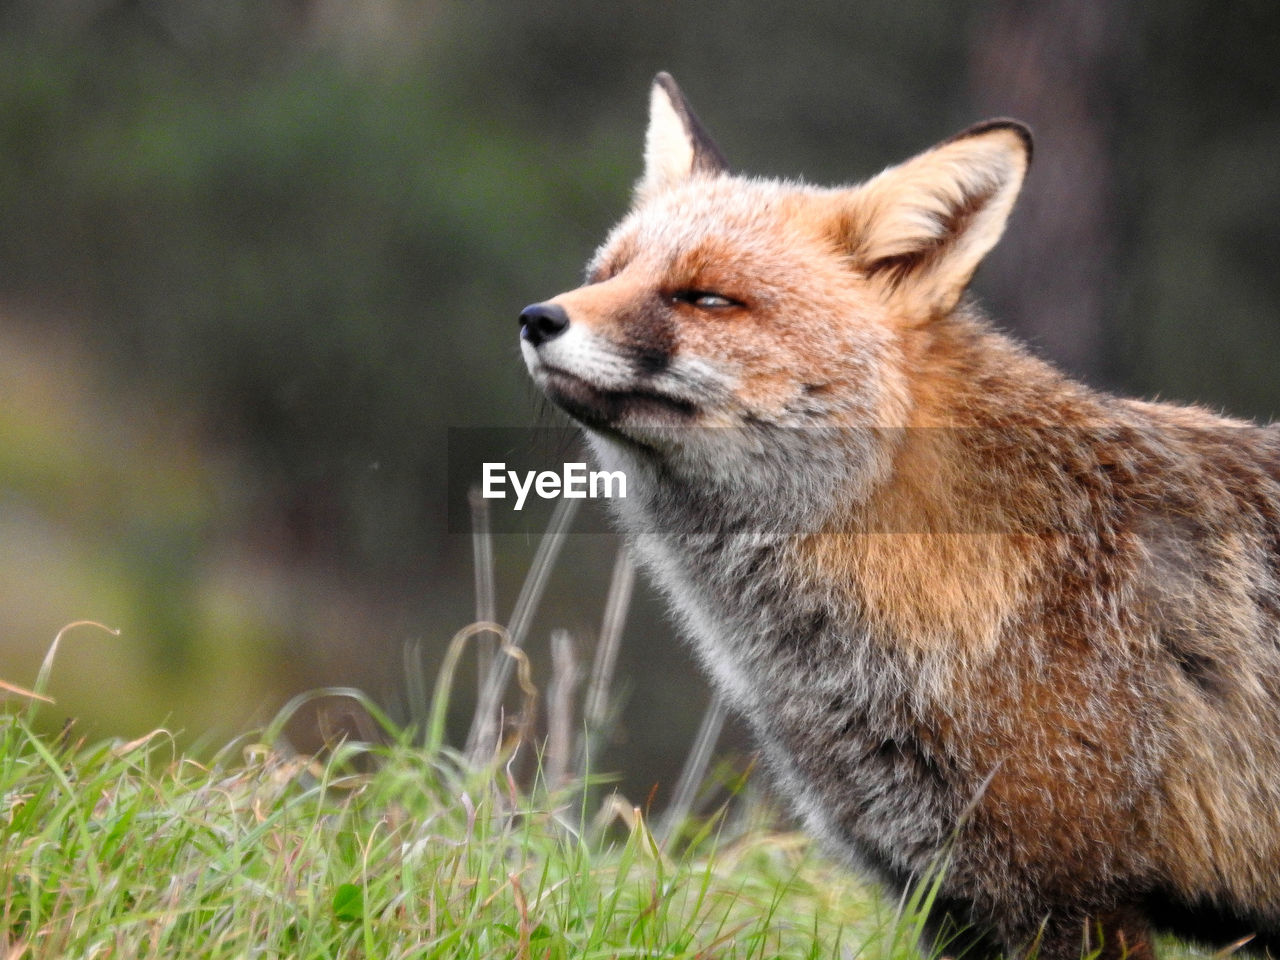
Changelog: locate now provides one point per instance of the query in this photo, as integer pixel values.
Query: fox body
(978, 615)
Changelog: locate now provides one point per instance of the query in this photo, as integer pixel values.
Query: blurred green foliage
(318, 262)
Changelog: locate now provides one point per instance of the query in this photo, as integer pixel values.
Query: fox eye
(705, 299)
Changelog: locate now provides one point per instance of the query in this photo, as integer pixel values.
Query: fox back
(975, 612)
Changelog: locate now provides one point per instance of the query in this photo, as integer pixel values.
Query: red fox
(976, 613)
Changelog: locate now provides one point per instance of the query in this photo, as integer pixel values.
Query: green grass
(398, 848)
(133, 850)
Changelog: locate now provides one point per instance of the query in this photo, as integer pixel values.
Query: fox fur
(977, 614)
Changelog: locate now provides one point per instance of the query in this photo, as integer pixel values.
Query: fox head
(727, 301)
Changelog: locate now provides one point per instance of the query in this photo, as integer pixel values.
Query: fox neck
(940, 556)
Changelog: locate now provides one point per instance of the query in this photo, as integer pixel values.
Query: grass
(391, 850)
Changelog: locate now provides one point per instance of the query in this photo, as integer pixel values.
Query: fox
(987, 624)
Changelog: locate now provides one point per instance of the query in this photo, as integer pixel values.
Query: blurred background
(258, 256)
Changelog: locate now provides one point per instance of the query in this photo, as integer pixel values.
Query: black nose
(540, 322)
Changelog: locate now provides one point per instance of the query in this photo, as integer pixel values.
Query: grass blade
(694, 771)
(483, 738)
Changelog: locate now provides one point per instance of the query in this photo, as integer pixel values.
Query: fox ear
(676, 146)
(922, 227)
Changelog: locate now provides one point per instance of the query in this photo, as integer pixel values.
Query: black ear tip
(668, 83)
(708, 157)
(1016, 127)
